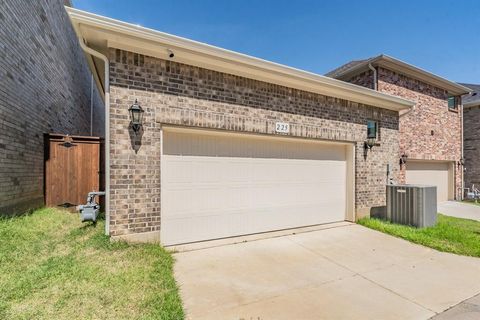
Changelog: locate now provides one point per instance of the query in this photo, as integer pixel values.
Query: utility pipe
(107, 129)
(91, 105)
(374, 76)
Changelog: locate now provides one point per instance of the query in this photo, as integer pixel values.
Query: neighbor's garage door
(221, 185)
(430, 173)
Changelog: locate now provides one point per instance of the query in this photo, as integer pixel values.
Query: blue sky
(441, 36)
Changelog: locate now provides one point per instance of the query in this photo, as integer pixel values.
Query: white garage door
(430, 173)
(222, 185)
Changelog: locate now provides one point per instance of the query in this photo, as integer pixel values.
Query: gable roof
(101, 33)
(472, 99)
(353, 68)
(344, 68)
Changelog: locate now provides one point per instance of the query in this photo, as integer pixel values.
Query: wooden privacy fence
(72, 169)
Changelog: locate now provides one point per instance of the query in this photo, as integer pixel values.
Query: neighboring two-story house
(471, 136)
(430, 134)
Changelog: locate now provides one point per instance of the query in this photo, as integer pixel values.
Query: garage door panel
(235, 223)
(221, 186)
(247, 146)
(430, 173)
(177, 171)
(236, 171)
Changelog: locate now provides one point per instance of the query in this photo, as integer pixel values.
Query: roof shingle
(335, 72)
(474, 96)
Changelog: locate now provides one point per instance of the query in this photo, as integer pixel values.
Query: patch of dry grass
(54, 267)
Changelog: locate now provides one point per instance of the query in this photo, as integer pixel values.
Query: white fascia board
(122, 35)
(471, 104)
(409, 70)
(453, 87)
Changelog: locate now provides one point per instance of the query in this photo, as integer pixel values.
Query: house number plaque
(282, 127)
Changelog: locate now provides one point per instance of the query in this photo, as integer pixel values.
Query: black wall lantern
(369, 143)
(461, 162)
(403, 159)
(136, 116)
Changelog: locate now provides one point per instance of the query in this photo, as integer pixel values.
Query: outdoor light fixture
(371, 134)
(461, 162)
(136, 116)
(369, 143)
(403, 159)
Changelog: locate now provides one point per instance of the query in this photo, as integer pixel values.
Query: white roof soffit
(471, 104)
(407, 69)
(101, 33)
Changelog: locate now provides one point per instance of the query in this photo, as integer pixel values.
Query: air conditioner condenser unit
(414, 205)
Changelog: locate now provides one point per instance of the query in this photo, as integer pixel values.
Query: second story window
(372, 134)
(453, 103)
(372, 129)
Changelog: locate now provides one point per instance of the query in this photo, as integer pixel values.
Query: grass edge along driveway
(54, 267)
(454, 235)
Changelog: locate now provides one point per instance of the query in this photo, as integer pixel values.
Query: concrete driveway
(345, 272)
(460, 210)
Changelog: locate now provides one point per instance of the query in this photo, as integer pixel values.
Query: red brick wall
(431, 114)
(364, 79)
(430, 131)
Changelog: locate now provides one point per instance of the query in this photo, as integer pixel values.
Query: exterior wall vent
(414, 205)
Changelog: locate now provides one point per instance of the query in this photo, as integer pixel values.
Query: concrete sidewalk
(347, 272)
(467, 310)
(460, 210)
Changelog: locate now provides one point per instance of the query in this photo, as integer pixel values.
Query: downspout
(91, 105)
(107, 130)
(407, 112)
(375, 86)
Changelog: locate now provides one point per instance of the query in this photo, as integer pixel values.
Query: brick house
(430, 149)
(45, 87)
(231, 144)
(471, 136)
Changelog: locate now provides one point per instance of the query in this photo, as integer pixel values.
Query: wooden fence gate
(72, 169)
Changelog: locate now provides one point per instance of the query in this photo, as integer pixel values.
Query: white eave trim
(122, 35)
(408, 69)
(471, 104)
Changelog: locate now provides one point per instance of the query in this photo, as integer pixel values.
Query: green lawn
(54, 267)
(455, 235)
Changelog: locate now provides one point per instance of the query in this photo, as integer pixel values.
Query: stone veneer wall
(471, 138)
(179, 94)
(45, 87)
(431, 113)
